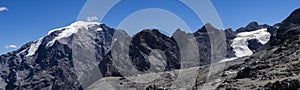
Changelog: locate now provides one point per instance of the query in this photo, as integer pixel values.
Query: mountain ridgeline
(76, 56)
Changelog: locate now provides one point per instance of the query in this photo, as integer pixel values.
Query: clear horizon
(25, 21)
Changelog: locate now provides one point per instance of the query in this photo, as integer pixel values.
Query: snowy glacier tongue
(240, 43)
(73, 28)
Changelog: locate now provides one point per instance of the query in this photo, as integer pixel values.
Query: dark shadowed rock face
(251, 27)
(255, 26)
(254, 45)
(203, 40)
(148, 40)
(230, 35)
(140, 49)
(289, 28)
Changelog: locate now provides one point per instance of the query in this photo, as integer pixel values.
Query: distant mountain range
(76, 56)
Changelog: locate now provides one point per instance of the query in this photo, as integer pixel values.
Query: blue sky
(28, 20)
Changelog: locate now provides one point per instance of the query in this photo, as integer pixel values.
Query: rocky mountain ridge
(76, 56)
(274, 67)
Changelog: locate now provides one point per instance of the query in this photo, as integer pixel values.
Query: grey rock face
(53, 67)
(283, 85)
(140, 49)
(146, 41)
(289, 28)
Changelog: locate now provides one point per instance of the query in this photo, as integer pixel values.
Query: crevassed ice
(240, 43)
(73, 28)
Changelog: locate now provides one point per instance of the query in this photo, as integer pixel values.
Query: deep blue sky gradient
(28, 20)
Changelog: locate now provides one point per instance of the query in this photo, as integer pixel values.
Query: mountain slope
(274, 67)
(51, 63)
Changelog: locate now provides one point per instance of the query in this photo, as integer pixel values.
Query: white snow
(33, 47)
(73, 28)
(18, 54)
(228, 59)
(240, 43)
(99, 29)
(51, 31)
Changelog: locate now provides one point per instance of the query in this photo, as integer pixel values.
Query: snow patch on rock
(227, 59)
(33, 47)
(99, 29)
(240, 43)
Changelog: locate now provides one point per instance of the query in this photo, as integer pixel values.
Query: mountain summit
(290, 26)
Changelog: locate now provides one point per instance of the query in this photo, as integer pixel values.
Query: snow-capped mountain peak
(77, 24)
(73, 28)
(65, 32)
